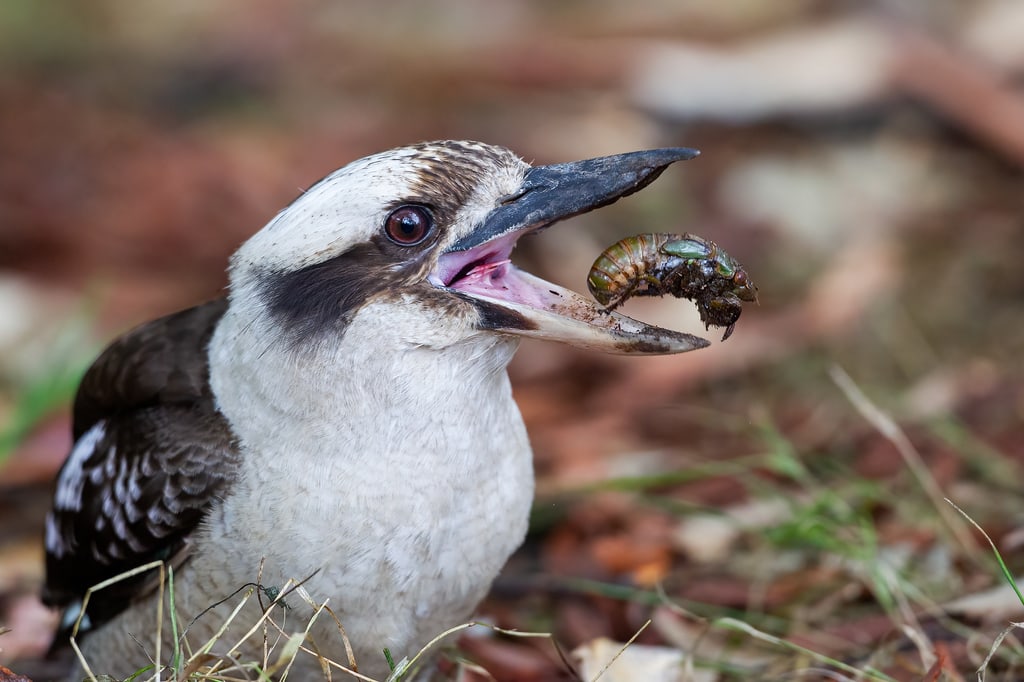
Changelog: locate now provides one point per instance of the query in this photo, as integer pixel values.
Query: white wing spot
(72, 476)
(54, 542)
(67, 621)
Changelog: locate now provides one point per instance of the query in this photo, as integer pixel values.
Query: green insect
(686, 266)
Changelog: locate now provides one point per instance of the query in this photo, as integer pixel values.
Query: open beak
(477, 267)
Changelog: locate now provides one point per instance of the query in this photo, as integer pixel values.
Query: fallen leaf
(8, 675)
(616, 662)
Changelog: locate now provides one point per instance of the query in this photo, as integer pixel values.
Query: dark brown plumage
(161, 455)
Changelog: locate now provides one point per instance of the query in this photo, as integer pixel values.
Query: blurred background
(862, 160)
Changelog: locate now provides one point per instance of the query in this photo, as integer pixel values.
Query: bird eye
(408, 225)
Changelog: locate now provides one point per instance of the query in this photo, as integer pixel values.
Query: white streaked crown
(349, 206)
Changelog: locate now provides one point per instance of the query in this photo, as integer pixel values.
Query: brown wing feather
(162, 362)
(152, 454)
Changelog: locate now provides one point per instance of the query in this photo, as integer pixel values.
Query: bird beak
(476, 267)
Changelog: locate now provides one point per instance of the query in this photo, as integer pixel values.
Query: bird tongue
(485, 276)
(502, 280)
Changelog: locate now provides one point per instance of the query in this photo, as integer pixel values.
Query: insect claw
(615, 303)
(728, 331)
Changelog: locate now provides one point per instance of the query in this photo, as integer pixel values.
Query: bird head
(423, 233)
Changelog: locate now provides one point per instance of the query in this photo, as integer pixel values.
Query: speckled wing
(151, 456)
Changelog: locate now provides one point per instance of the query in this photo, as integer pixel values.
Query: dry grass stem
(995, 646)
(100, 586)
(889, 429)
(624, 647)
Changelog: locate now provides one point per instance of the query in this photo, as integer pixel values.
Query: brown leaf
(8, 675)
(508, 660)
(933, 673)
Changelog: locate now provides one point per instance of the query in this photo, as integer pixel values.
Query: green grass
(42, 396)
(67, 356)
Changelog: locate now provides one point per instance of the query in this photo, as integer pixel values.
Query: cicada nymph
(686, 266)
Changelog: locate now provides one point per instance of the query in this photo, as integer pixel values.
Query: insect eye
(408, 225)
(740, 278)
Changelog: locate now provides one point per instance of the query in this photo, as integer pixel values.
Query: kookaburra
(343, 416)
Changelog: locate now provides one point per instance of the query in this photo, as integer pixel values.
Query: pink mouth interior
(487, 271)
(560, 314)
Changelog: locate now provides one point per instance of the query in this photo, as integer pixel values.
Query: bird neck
(370, 391)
